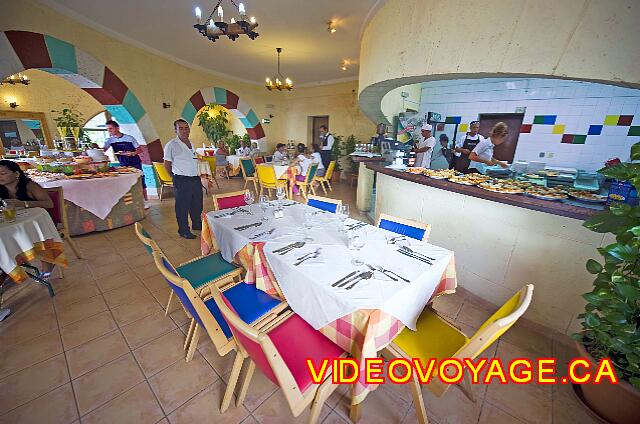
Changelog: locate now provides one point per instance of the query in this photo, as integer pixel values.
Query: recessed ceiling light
(331, 27)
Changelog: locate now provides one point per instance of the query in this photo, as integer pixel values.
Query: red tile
(30, 48)
(625, 120)
(103, 96)
(567, 138)
(197, 101)
(256, 133)
(232, 101)
(525, 128)
(155, 151)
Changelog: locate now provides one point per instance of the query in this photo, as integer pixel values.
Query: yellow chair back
(211, 160)
(266, 175)
(163, 174)
(329, 173)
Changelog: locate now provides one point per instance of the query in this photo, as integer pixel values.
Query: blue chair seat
(402, 229)
(205, 270)
(325, 206)
(249, 302)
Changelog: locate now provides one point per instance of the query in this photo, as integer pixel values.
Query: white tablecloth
(97, 195)
(234, 160)
(31, 226)
(307, 287)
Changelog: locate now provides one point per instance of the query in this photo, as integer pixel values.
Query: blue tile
(550, 119)
(595, 130)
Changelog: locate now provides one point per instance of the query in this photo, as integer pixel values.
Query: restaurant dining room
(281, 211)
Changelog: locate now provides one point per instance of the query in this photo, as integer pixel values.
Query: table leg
(355, 412)
(36, 278)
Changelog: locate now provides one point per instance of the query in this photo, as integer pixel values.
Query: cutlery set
(233, 212)
(348, 282)
(246, 227)
(355, 226)
(407, 251)
(387, 273)
(397, 239)
(262, 234)
(288, 248)
(308, 256)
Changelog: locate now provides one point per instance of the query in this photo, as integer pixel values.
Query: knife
(344, 278)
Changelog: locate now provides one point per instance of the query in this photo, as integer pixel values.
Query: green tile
(63, 54)
(539, 119)
(220, 94)
(579, 139)
(133, 106)
(189, 112)
(634, 131)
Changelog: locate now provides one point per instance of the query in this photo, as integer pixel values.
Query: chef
(482, 154)
(465, 146)
(425, 146)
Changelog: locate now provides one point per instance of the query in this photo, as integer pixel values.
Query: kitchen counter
(361, 159)
(547, 206)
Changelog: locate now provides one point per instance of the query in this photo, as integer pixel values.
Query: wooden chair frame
(488, 333)
(298, 401)
(162, 182)
(268, 186)
(212, 161)
(247, 178)
(308, 183)
(215, 197)
(326, 178)
(64, 231)
(404, 221)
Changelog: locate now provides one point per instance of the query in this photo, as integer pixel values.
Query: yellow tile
(558, 129)
(611, 120)
(465, 127)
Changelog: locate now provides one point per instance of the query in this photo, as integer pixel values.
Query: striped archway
(229, 100)
(22, 50)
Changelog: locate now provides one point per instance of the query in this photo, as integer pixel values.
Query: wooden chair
(228, 200)
(248, 168)
(406, 227)
(438, 339)
(59, 217)
(280, 350)
(307, 183)
(326, 178)
(324, 203)
(268, 158)
(164, 177)
(267, 179)
(211, 160)
(259, 159)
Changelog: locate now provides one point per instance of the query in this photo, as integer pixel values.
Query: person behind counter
(482, 154)
(425, 146)
(465, 145)
(281, 153)
(20, 191)
(442, 158)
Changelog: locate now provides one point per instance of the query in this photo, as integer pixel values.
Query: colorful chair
(228, 200)
(324, 203)
(406, 227)
(253, 305)
(268, 159)
(280, 350)
(59, 216)
(326, 178)
(201, 272)
(164, 178)
(259, 160)
(267, 179)
(436, 338)
(248, 167)
(307, 183)
(211, 160)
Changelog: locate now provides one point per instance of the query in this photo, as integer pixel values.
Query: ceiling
(311, 55)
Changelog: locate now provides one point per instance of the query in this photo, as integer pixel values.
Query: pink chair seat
(231, 202)
(296, 342)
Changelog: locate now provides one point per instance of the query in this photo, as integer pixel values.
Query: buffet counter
(501, 241)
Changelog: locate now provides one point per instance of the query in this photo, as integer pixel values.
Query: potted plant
(337, 152)
(611, 321)
(232, 141)
(214, 123)
(350, 147)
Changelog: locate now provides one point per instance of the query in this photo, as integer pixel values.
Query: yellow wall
(155, 80)
(46, 93)
(392, 103)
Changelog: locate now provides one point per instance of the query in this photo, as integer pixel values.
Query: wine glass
(308, 225)
(342, 211)
(358, 240)
(281, 193)
(264, 205)
(248, 197)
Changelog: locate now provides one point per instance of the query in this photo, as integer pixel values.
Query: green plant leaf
(635, 151)
(630, 292)
(593, 266)
(606, 222)
(591, 320)
(623, 252)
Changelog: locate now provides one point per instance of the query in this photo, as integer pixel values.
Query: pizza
(440, 174)
(501, 187)
(416, 170)
(587, 196)
(546, 193)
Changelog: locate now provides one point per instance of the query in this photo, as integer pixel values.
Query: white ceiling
(310, 53)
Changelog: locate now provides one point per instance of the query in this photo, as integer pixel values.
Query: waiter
(424, 148)
(326, 145)
(465, 145)
(126, 149)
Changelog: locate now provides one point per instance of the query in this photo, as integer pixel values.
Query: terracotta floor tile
(111, 258)
(180, 318)
(448, 305)
(140, 261)
(259, 390)
(96, 353)
(250, 420)
(81, 310)
(146, 329)
(154, 282)
(472, 315)
(531, 340)
(205, 407)
(130, 312)
(131, 292)
(101, 271)
(567, 409)
(16, 357)
(88, 329)
(221, 364)
(56, 407)
(147, 271)
(275, 410)
(161, 352)
(136, 406)
(30, 383)
(453, 407)
(162, 296)
(103, 384)
(181, 381)
(493, 415)
(76, 294)
(335, 418)
(115, 281)
(73, 281)
(19, 327)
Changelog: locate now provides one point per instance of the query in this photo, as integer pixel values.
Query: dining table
(380, 297)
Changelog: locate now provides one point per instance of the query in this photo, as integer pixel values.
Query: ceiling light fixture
(214, 28)
(281, 83)
(331, 27)
(16, 79)
(13, 105)
(345, 65)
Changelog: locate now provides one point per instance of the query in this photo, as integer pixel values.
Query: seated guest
(243, 150)
(281, 153)
(316, 158)
(17, 189)
(255, 151)
(222, 148)
(302, 162)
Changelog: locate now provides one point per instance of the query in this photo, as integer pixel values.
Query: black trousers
(326, 156)
(188, 194)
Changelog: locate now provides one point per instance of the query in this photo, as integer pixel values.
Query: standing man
(327, 144)
(180, 160)
(126, 149)
(465, 146)
(424, 148)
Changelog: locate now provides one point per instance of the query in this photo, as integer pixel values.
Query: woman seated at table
(281, 153)
(254, 150)
(302, 162)
(221, 148)
(20, 191)
(316, 158)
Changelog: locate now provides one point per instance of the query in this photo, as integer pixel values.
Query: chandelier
(213, 29)
(281, 83)
(16, 79)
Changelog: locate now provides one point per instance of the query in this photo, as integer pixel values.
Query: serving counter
(501, 241)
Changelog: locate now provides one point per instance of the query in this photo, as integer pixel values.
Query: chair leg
(166, 311)
(61, 272)
(215, 180)
(233, 380)
(318, 401)
(245, 384)
(245, 183)
(192, 326)
(329, 184)
(324, 189)
(161, 190)
(418, 402)
(262, 190)
(72, 244)
(193, 343)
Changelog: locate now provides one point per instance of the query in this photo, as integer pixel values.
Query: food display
(501, 186)
(440, 174)
(416, 170)
(40, 176)
(587, 196)
(43, 177)
(546, 193)
(469, 179)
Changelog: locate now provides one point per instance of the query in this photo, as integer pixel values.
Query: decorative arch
(22, 50)
(229, 100)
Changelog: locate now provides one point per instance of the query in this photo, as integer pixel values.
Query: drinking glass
(248, 197)
(264, 205)
(308, 225)
(358, 240)
(281, 193)
(342, 211)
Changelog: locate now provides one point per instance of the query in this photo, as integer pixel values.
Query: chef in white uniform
(424, 148)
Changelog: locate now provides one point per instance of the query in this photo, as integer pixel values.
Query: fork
(262, 234)
(413, 252)
(308, 256)
(364, 276)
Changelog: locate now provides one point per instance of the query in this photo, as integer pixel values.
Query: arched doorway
(230, 101)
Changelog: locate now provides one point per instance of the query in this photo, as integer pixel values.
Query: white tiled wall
(576, 104)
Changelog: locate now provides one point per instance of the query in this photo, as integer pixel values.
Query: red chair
(59, 216)
(228, 200)
(259, 159)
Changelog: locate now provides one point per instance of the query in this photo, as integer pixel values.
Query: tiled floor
(102, 351)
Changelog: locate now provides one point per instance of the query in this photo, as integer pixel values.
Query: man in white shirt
(281, 153)
(425, 146)
(326, 145)
(243, 150)
(465, 145)
(181, 161)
